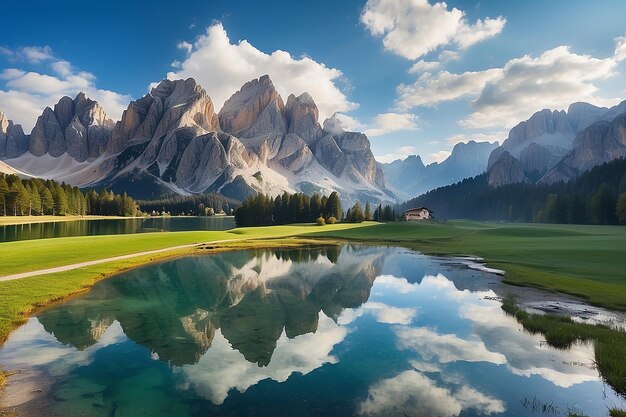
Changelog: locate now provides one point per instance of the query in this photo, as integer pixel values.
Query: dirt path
(105, 260)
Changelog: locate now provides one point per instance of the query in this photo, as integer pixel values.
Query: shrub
(320, 221)
(331, 220)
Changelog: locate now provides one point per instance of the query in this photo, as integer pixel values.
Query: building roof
(419, 209)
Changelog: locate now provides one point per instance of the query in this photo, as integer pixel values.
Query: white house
(420, 213)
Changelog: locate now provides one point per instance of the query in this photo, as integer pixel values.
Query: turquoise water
(350, 331)
(112, 227)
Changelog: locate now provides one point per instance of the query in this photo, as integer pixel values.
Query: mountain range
(172, 141)
(555, 146)
(410, 177)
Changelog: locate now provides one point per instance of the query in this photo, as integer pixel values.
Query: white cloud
(391, 122)
(389, 314)
(223, 368)
(412, 393)
(185, 46)
(620, 48)
(340, 122)
(30, 54)
(222, 67)
(424, 66)
(432, 89)
(445, 348)
(412, 28)
(400, 153)
(501, 97)
(553, 80)
(438, 157)
(26, 94)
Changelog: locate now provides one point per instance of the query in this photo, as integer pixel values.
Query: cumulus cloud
(438, 156)
(415, 27)
(501, 97)
(30, 54)
(553, 80)
(431, 89)
(223, 368)
(411, 390)
(620, 48)
(26, 93)
(222, 67)
(424, 66)
(340, 122)
(391, 122)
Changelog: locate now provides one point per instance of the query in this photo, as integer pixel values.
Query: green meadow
(586, 261)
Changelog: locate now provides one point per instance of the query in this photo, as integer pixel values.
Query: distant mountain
(557, 145)
(410, 177)
(172, 141)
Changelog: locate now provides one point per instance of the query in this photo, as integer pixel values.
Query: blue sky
(478, 67)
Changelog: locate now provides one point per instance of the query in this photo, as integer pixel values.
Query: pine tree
(4, 191)
(47, 202)
(368, 212)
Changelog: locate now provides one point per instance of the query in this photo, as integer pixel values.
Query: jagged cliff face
(599, 143)
(77, 127)
(555, 146)
(171, 140)
(13, 141)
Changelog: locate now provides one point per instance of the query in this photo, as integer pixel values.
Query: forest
(194, 205)
(263, 210)
(596, 197)
(36, 196)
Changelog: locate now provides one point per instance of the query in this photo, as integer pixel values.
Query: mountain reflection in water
(350, 330)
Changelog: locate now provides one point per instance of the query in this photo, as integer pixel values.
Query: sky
(417, 76)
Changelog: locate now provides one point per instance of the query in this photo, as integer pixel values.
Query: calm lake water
(112, 227)
(350, 331)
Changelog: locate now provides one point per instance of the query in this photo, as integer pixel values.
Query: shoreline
(25, 220)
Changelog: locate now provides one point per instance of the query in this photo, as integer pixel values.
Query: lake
(112, 227)
(333, 331)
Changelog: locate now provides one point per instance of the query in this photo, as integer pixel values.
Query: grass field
(587, 261)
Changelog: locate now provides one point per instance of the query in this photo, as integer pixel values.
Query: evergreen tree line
(596, 197)
(262, 210)
(356, 214)
(35, 196)
(196, 205)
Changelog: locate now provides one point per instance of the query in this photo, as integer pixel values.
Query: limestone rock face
(599, 143)
(294, 154)
(303, 117)
(537, 158)
(541, 123)
(13, 141)
(243, 109)
(78, 127)
(330, 155)
(506, 170)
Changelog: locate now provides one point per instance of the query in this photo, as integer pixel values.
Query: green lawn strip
(36, 254)
(22, 297)
(586, 261)
(13, 220)
(561, 332)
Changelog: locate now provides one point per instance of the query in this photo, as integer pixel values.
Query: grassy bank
(561, 332)
(9, 220)
(586, 261)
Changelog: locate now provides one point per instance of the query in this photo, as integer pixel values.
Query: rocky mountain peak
(506, 170)
(79, 127)
(13, 141)
(303, 117)
(243, 109)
